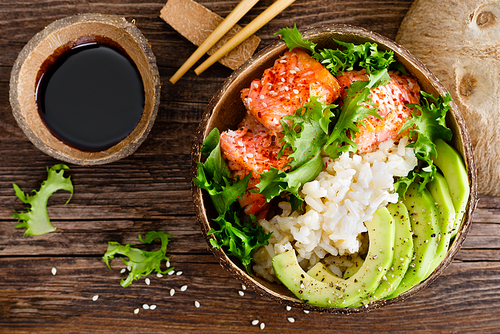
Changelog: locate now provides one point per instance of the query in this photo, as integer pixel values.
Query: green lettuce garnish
(36, 220)
(428, 123)
(141, 262)
(355, 56)
(240, 237)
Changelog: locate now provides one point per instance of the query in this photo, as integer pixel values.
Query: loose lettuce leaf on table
(36, 220)
(141, 262)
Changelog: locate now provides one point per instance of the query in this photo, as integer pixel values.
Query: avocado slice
(452, 165)
(327, 290)
(438, 188)
(357, 263)
(424, 219)
(403, 251)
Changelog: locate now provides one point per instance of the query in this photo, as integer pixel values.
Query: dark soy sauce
(90, 94)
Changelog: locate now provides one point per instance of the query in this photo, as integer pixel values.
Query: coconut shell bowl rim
(69, 30)
(254, 68)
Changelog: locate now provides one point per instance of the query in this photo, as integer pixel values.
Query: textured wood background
(150, 190)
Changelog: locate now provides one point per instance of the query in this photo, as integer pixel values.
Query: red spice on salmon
(391, 100)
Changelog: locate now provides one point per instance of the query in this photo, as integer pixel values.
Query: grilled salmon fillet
(391, 100)
(284, 87)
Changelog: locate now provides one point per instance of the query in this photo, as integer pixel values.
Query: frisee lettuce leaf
(354, 57)
(36, 220)
(428, 123)
(241, 237)
(141, 262)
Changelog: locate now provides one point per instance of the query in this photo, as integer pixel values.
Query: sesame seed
(256, 85)
(286, 88)
(148, 281)
(293, 72)
(262, 325)
(262, 97)
(306, 311)
(123, 270)
(302, 285)
(171, 272)
(53, 271)
(179, 273)
(283, 61)
(95, 297)
(145, 306)
(152, 307)
(282, 79)
(255, 322)
(241, 293)
(264, 104)
(159, 275)
(282, 73)
(136, 311)
(129, 268)
(172, 292)
(243, 287)
(288, 308)
(290, 319)
(295, 91)
(168, 264)
(184, 288)
(196, 304)
(297, 69)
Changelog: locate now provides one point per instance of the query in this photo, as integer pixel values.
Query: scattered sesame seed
(123, 270)
(306, 311)
(255, 322)
(196, 304)
(288, 308)
(95, 297)
(302, 285)
(241, 293)
(249, 100)
(283, 61)
(148, 281)
(297, 69)
(264, 104)
(262, 97)
(145, 306)
(159, 275)
(286, 88)
(168, 264)
(293, 72)
(129, 268)
(262, 325)
(171, 272)
(53, 271)
(290, 319)
(243, 287)
(295, 91)
(152, 307)
(256, 85)
(172, 292)
(179, 273)
(282, 79)
(184, 288)
(136, 311)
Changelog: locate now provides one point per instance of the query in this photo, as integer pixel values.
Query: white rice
(338, 202)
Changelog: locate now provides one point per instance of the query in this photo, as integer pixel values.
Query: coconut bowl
(226, 110)
(70, 32)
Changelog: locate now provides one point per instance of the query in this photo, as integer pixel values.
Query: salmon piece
(391, 100)
(286, 86)
(252, 148)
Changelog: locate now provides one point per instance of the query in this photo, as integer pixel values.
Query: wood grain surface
(150, 190)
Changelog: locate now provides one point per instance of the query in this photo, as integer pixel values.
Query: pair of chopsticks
(238, 12)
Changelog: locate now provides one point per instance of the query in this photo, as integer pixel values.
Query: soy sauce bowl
(44, 47)
(226, 110)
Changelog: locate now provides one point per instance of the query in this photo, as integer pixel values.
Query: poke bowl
(292, 228)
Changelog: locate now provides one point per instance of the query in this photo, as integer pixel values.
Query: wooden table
(150, 190)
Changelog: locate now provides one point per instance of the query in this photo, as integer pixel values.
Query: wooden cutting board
(459, 41)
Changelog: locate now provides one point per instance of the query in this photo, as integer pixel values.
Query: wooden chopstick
(238, 12)
(246, 32)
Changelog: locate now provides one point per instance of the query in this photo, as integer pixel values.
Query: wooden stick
(246, 32)
(238, 12)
